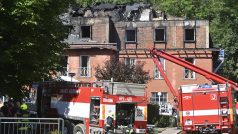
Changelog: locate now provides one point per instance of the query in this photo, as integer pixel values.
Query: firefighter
(109, 125)
(175, 110)
(24, 127)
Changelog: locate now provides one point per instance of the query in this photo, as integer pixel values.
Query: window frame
(130, 61)
(190, 71)
(88, 66)
(163, 97)
(66, 69)
(90, 32)
(126, 35)
(185, 34)
(156, 70)
(160, 41)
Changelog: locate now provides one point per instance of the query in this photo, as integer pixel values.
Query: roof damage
(80, 34)
(135, 12)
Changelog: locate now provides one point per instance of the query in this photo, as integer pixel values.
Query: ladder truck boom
(156, 54)
(206, 108)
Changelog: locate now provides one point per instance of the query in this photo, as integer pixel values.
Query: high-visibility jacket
(24, 126)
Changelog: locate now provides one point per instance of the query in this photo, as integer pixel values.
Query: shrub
(153, 114)
(164, 121)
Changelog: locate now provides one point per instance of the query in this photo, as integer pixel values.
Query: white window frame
(130, 61)
(157, 98)
(192, 73)
(157, 74)
(88, 68)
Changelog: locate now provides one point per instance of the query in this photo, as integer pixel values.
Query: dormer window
(190, 35)
(159, 35)
(130, 35)
(86, 31)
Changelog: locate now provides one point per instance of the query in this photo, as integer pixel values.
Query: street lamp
(71, 75)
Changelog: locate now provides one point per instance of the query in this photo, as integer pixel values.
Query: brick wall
(105, 30)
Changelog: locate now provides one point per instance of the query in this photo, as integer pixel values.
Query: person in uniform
(109, 123)
(24, 126)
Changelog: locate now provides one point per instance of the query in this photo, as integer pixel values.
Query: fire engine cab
(203, 108)
(85, 106)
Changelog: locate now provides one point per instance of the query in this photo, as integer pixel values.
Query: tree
(121, 72)
(31, 46)
(223, 17)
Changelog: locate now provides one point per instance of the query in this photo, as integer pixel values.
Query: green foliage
(153, 114)
(122, 73)
(164, 121)
(31, 36)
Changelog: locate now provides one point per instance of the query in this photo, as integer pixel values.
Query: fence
(31, 125)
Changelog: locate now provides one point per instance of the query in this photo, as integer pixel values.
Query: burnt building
(129, 31)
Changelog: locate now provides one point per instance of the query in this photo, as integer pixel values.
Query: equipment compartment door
(95, 110)
(125, 114)
(206, 107)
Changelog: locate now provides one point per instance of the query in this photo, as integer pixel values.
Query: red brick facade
(108, 38)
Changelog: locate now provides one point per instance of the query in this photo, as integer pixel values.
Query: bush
(164, 121)
(153, 114)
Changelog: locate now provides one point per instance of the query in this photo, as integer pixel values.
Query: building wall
(106, 31)
(174, 34)
(97, 57)
(175, 74)
(99, 29)
(174, 40)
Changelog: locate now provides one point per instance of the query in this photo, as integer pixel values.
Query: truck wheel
(68, 127)
(78, 129)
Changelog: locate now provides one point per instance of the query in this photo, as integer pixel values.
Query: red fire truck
(85, 106)
(203, 108)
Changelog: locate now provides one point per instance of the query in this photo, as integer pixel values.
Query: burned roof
(106, 6)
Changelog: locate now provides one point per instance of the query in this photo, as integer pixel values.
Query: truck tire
(79, 129)
(68, 127)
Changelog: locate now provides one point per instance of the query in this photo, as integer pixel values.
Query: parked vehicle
(85, 106)
(203, 108)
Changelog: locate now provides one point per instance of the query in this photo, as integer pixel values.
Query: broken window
(189, 74)
(84, 69)
(157, 74)
(131, 35)
(86, 31)
(189, 35)
(159, 35)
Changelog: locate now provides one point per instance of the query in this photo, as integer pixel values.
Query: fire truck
(85, 106)
(203, 108)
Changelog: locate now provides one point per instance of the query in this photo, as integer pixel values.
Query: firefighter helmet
(23, 106)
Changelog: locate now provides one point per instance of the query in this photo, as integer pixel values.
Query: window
(65, 65)
(159, 35)
(160, 98)
(86, 31)
(157, 74)
(130, 35)
(189, 35)
(188, 74)
(84, 69)
(130, 61)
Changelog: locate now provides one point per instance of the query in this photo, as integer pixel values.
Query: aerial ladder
(192, 119)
